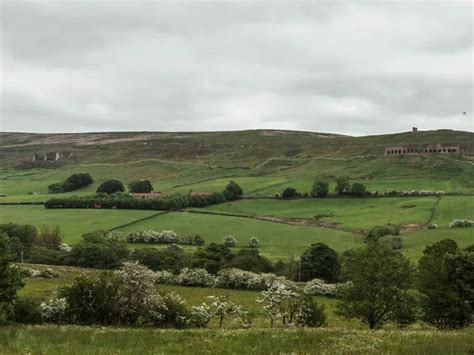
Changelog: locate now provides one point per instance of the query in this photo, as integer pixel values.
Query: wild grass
(99, 340)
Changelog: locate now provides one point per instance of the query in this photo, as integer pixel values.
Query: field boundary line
(138, 221)
(266, 219)
(206, 180)
(432, 213)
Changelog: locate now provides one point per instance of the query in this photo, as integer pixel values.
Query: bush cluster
(232, 278)
(119, 201)
(47, 273)
(318, 287)
(461, 223)
(73, 182)
(163, 237)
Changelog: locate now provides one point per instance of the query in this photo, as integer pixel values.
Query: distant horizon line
(231, 131)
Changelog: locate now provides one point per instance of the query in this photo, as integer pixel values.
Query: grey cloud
(346, 68)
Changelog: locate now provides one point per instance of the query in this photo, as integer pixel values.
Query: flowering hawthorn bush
(53, 310)
(195, 277)
(317, 287)
(461, 223)
(253, 242)
(229, 241)
(47, 273)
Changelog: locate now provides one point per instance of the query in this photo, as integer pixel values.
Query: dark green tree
(320, 189)
(21, 237)
(343, 185)
(95, 250)
(110, 187)
(10, 277)
(140, 186)
(320, 262)
(232, 191)
(290, 192)
(358, 189)
(446, 282)
(379, 279)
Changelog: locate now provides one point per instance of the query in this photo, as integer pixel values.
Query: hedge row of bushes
(237, 279)
(163, 237)
(118, 201)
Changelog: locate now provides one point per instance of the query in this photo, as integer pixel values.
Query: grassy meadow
(73, 223)
(348, 218)
(98, 340)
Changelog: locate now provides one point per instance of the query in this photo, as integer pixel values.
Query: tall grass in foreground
(88, 340)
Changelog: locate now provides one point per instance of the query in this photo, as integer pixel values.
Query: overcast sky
(342, 67)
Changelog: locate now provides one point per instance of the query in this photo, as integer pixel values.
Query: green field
(346, 213)
(277, 240)
(73, 223)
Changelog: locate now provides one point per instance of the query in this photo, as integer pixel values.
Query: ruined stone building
(429, 149)
(47, 157)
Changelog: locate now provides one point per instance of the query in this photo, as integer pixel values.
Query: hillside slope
(263, 161)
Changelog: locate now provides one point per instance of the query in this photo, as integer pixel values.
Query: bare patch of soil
(405, 228)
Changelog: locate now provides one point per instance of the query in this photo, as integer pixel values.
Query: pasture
(73, 223)
(347, 217)
(346, 213)
(277, 240)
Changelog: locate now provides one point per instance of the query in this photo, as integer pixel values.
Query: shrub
(320, 189)
(343, 185)
(140, 186)
(395, 241)
(40, 255)
(239, 280)
(381, 231)
(461, 223)
(170, 258)
(310, 314)
(290, 192)
(358, 189)
(47, 273)
(280, 302)
(95, 250)
(200, 316)
(26, 310)
(229, 241)
(124, 297)
(250, 260)
(432, 226)
(198, 240)
(110, 187)
(49, 237)
(165, 277)
(222, 307)
(196, 278)
(73, 182)
(317, 287)
(53, 310)
(253, 242)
